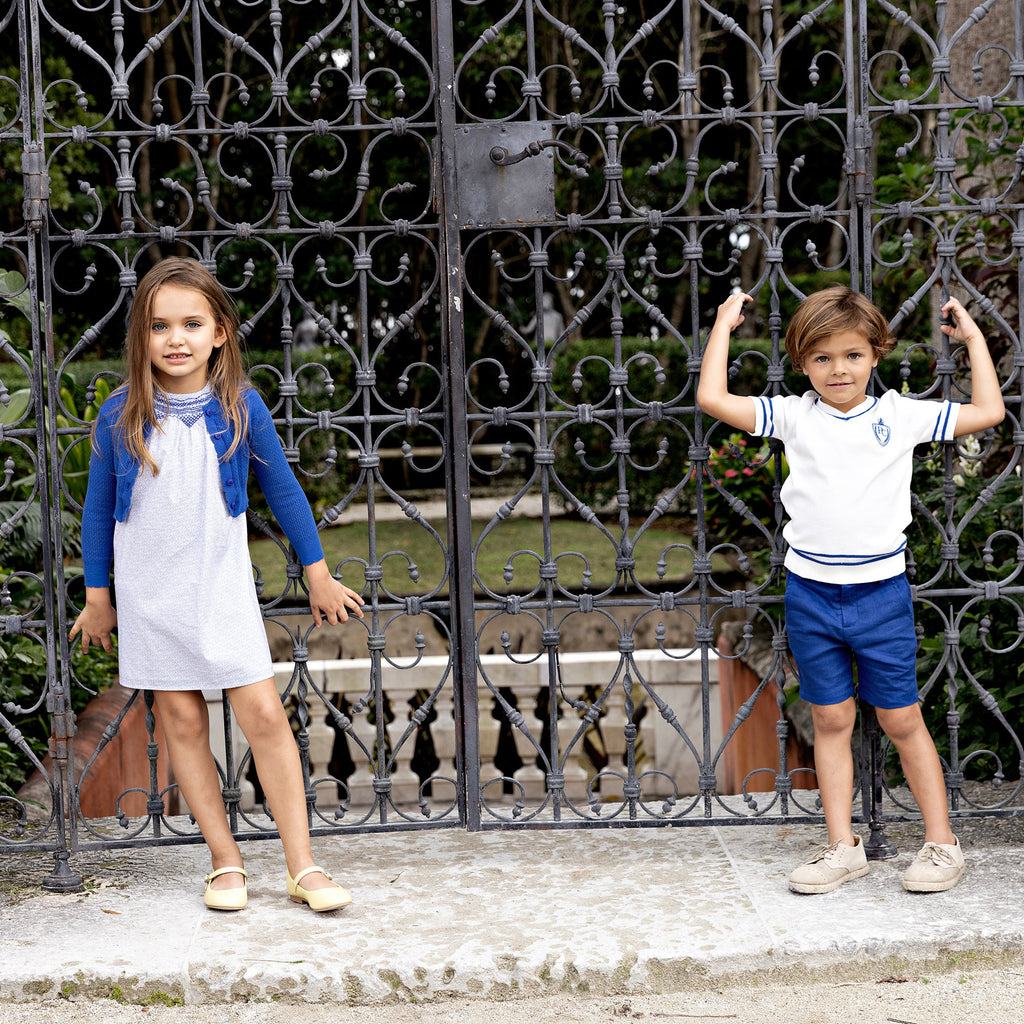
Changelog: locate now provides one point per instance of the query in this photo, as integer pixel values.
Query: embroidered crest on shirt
(881, 431)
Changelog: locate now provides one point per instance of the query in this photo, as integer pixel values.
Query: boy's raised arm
(713, 390)
(986, 407)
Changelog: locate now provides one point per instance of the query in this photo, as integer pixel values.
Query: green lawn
(425, 548)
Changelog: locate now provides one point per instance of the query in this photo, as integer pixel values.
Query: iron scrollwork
(553, 647)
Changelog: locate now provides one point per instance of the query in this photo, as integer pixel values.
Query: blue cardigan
(113, 471)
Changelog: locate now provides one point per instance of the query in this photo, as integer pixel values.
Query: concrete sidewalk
(498, 915)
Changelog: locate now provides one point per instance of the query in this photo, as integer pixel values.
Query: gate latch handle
(501, 157)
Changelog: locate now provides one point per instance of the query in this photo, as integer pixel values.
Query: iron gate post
(457, 484)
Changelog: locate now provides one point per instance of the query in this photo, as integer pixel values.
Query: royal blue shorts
(831, 626)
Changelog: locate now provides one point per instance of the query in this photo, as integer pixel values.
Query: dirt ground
(983, 996)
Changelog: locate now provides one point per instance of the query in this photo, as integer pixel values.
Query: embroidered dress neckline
(186, 408)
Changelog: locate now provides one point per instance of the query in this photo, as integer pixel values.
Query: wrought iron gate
(476, 246)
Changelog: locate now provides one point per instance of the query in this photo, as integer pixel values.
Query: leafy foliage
(740, 491)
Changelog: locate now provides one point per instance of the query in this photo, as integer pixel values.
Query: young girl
(166, 502)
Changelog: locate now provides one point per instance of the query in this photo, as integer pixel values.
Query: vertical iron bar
(554, 776)
(460, 536)
(44, 393)
(858, 136)
(156, 805)
(877, 847)
(945, 146)
(704, 631)
(231, 783)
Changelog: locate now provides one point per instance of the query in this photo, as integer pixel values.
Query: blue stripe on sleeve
(767, 417)
(942, 421)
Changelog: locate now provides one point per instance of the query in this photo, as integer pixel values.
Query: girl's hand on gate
(96, 620)
(329, 599)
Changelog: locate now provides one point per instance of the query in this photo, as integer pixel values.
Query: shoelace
(938, 854)
(825, 852)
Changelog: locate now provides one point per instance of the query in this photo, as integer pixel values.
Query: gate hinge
(36, 184)
(862, 180)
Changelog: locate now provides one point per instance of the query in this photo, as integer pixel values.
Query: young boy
(847, 598)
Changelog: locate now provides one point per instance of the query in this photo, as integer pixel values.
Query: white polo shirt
(848, 490)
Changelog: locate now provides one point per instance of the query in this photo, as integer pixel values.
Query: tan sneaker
(830, 867)
(936, 868)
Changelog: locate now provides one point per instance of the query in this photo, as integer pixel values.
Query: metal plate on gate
(521, 193)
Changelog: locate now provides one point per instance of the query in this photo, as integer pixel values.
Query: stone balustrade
(594, 680)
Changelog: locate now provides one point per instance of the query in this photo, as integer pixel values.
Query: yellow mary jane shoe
(226, 899)
(331, 898)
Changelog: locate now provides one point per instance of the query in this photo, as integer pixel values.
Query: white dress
(187, 613)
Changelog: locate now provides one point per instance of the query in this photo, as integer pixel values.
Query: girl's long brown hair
(227, 376)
